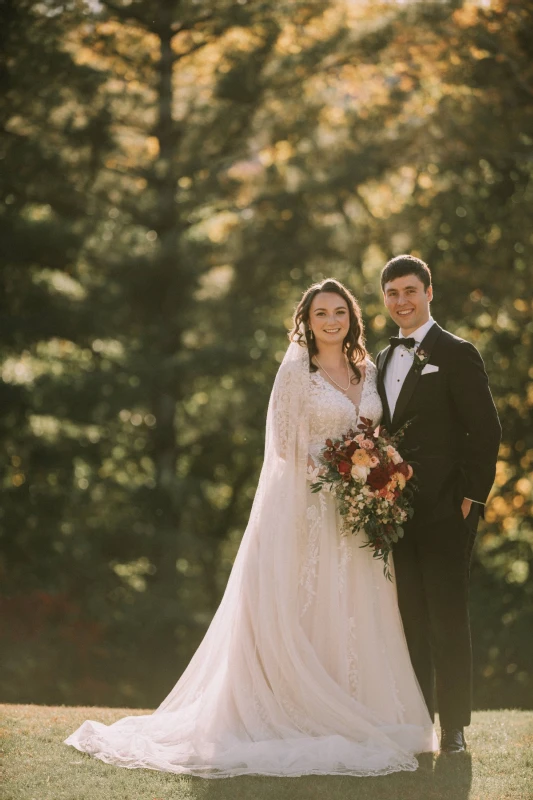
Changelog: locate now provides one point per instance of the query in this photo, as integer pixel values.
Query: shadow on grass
(453, 774)
(437, 778)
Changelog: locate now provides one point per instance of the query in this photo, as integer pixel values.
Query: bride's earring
(311, 334)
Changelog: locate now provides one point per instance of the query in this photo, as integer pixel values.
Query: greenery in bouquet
(372, 483)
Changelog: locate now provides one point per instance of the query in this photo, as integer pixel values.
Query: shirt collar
(420, 332)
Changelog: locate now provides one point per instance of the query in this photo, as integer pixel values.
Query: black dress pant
(432, 567)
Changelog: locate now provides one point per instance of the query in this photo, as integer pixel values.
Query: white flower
(394, 455)
(360, 472)
(312, 473)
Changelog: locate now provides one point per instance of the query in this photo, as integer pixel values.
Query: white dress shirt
(400, 363)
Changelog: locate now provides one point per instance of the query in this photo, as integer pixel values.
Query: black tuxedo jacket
(454, 435)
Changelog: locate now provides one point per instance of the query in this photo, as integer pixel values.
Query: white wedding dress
(304, 668)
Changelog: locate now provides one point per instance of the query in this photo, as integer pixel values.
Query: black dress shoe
(452, 740)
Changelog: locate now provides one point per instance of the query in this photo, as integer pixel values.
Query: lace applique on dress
(344, 560)
(353, 657)
(331, 414)
(309, 565)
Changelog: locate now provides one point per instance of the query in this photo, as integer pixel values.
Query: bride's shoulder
(291, 370)
(370, 367)
(371, 372)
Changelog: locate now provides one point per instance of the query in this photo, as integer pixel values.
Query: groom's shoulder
(456, 344)
(453, 339)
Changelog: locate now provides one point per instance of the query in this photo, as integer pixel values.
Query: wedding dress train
(304, 668)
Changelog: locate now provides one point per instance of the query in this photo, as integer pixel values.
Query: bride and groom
(313, 662)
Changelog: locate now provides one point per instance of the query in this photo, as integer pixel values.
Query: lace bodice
(331, 413)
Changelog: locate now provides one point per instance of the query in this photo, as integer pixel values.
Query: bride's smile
(329, 320)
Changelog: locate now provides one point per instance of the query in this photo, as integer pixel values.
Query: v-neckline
(342, 394)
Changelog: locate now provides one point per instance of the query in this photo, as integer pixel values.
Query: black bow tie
(396, 340)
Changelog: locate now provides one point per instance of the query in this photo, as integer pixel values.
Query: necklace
(319, 365)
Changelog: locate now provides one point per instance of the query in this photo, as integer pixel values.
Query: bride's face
(329, 319)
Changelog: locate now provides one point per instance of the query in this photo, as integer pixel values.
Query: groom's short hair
(399, 266)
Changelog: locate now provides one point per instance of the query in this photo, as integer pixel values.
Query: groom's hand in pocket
(466, 505)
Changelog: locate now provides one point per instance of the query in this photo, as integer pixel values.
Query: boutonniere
(420, 360)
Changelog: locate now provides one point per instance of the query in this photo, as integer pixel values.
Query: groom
(438, 383)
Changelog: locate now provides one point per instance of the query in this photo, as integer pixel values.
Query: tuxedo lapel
(413, 376)
(382, 366)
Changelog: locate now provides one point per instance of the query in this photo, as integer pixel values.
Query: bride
(304, 668)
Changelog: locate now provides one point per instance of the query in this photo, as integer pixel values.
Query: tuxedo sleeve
(477, 413)
(379, 358)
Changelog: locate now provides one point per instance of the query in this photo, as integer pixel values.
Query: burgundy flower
(350, 449)
(378, 477)
(403, 468)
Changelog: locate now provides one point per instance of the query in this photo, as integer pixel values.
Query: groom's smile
(408, 302)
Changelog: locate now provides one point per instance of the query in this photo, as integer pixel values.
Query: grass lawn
(37, 766)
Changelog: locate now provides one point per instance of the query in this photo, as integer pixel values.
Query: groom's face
(408, 302)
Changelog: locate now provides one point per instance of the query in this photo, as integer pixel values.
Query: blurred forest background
(173, 175)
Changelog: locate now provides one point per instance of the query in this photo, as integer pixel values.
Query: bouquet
(371, 482)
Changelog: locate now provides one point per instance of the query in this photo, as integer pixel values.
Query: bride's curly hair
(354, 341)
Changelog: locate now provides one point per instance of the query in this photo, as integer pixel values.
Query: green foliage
(172, 180)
